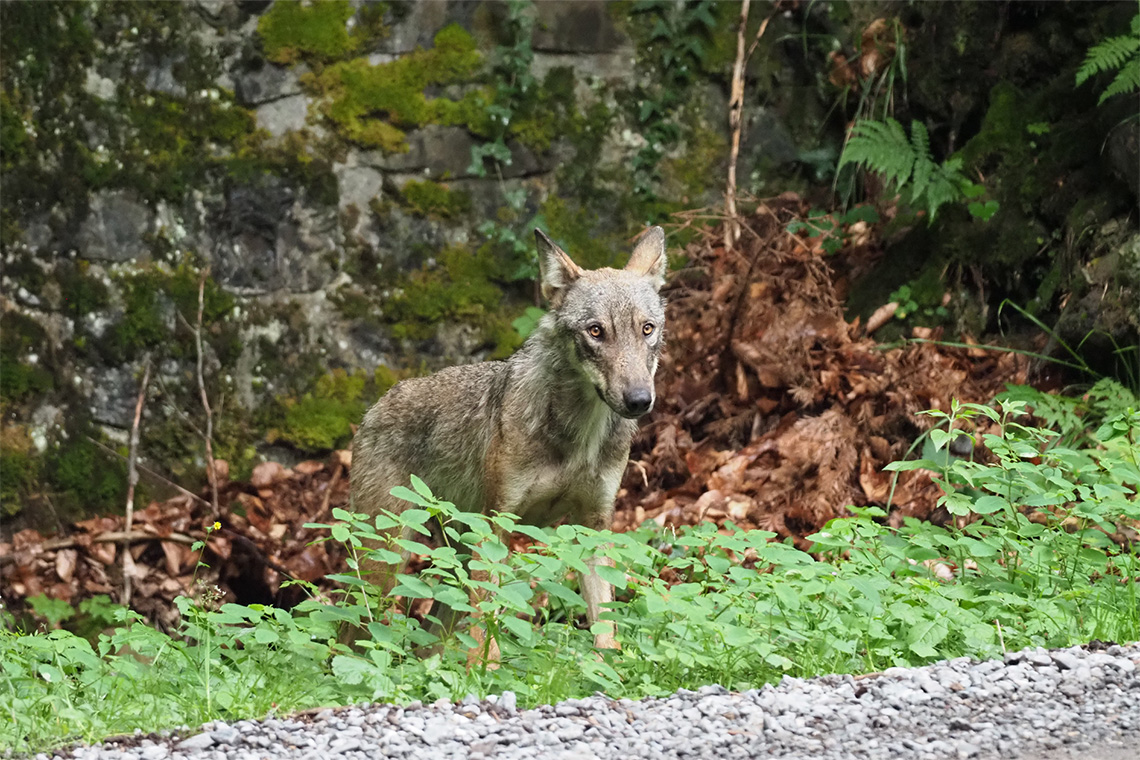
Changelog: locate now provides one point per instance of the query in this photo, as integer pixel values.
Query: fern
(883, 147)
(1121, 54)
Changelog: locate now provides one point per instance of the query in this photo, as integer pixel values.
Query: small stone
(1066, 660)
(198, 741)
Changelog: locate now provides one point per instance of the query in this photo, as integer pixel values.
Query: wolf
(544, 435)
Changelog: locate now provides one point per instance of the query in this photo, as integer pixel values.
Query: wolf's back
(437, 427)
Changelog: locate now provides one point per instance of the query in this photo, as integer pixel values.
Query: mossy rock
(318, 31)
(373, 104)
(20, 379)
(435, 200)
(20, 466)
(82, 476)
(322, 419)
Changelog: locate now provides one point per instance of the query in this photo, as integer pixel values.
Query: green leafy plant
(1029, 560)
(907, 165)
(905, 297)
(1120, 54)
(831, 228)
(673, 49)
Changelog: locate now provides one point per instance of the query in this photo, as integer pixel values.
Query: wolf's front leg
(596, 591)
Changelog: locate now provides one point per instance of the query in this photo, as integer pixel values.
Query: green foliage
(883, 147)
(872, 597)
(19, 468)
(432, 199)
(1120, 54)
(528, 321)
(20, 378)
(830, 228)
(373, 104)
(513, 85)
(673, 42)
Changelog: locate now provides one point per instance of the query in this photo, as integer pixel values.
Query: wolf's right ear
(648, 257)
(558, 271)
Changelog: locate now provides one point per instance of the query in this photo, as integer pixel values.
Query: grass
(1031, 559)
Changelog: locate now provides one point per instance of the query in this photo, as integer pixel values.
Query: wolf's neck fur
(561, 403)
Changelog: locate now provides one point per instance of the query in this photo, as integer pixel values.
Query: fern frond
(923, 165)
(880, 146)
(1107, 56)
(944, 187)
(1128, 80)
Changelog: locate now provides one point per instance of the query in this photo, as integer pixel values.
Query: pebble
(1025, 702)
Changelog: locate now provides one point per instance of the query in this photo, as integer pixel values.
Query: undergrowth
(1034, 556)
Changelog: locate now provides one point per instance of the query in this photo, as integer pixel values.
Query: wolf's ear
(558, 271)
(648, 257)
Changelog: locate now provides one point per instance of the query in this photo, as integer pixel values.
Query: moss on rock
(372, 104)
(20, 378)
(322, 418)
(291, 31)
(435, 200)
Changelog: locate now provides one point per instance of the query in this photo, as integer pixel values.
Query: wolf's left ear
(557, 270)
(648, 257)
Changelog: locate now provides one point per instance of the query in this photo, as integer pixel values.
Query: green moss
(432, 199)
(574, 227)
(373, 104)
(1003, 128)
(82, 293)
(461, 287)
(696, 171)
(317, 31)
(544, 117)
(19, 336)
(19, 468)
(322, 418)
(83, 476)
(153, 299)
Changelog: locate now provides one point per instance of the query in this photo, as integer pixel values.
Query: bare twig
(735, 109)
(736, 119)
(211, 475)
(132, 481)
(151, 473)
(337, 472)
(107, 537)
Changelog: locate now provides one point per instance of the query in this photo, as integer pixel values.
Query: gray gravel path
(1036, 705)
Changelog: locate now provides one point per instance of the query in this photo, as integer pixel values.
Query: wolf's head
(614, 318)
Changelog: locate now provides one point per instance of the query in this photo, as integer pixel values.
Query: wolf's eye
(647, 328)
(596, 331)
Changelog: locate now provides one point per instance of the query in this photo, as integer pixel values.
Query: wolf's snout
(638, 401)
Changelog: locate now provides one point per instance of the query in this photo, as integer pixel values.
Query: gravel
(1078, 702)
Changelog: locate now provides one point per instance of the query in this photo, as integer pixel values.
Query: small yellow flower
(217, 525)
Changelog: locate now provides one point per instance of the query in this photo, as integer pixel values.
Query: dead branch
(151, 473)
(735, 110)
(211, 475)
(132, 480)
(736, 119)
(108, 537)
(337, 471)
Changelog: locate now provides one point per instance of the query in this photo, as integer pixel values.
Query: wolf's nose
(638, 401)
